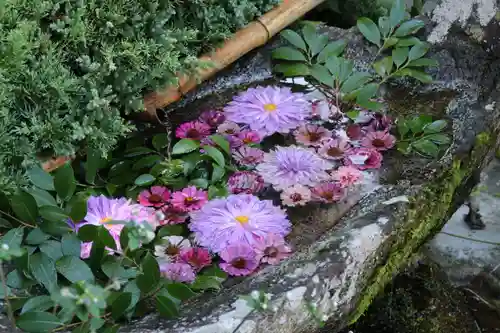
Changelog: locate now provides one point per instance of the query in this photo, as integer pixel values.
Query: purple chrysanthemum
(228, 128)
(178, 272)
(249, 137)
(239, 260)
(248, 156)
(195, 130)
(288, 166)
(245, 182)
(237, 219)
(268, 110)
(212, 118)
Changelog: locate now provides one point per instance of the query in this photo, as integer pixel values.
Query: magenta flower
(189, 199)
(272, 249)
(363, 158)
(249, 137)
(245, 182)
(212, 118)
(248, 156)
(156, 196)
(328, 192)
(178, 272)
(334, 149)
(379, 140)
(288, 166)
(228, 128)
(239, 260)
(173, 215)
(311, 135)
(268, 110)
(347, 176)
(234, 141)
(195, 130)
(197, 257)
(297, 195)
(354, 132)
(237, 219)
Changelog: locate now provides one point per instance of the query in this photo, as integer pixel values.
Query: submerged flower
(197, 257)
(328, 192)
(321, 109)
(297, 195)
(228, 128)
(288, 166)
(347, 176)
(380, 122)
(363, 158)
(245, 182)
(334, 149)
(85, 249)
(354, 131)
(172, 215)
(189, 199)
(249, 137)
(157, 196)
(212, 118)
(248, 156)
(195, 130)
(268, 110)
(237, 219)
(380, 140)
(171, 247)
(272, 249)
(239, 260)
(178, 272)
(311, 135)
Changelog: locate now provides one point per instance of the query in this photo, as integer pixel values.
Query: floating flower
(173, 215)
(85, 249)
(297, 195)
(249, 137)
(207, 141)
(321, 109)
(288, 166)
(272, 249)
(248, 156)
(347, 176)
(311, 135)
(195, 130)
(212, 118)
(380, 122)
(239, 260)
(380, 140)
(171, 248)
(189, 199)
(157, 196)
(354, 132)
(245, 182)
(197, 257)
(334, 149)
(228, 128)
(178, 272)
(268, 110)
(234, 141)
(328, 192)
(363, 158)
(237, 219)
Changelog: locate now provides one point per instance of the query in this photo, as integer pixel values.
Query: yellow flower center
(105, 220)
(242, 219)
(270, 107)
(189, 199)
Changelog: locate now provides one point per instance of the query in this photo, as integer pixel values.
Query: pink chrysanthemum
(363, 158)
(197, 257)
(268, 110)
(228, 128)
(347, 176)
(248, 156)
(195, 130)
(249, 137)
(288, 166)
(212, 118)
(297, 195)
(245, 182)
(334, 149)
(171, 247)
(311, 135)
(173, 215)
(239, 260)
(328, 192)
(178, 272)
(189, 199)
(379, 140)
(156, 196)
(272, 249)
(237, 219)
(321, 109)
(354, 132)
(234, 141)
(380, 122)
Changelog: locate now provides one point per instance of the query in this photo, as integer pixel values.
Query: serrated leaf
(120, 305)
(409, 28)
(294, 38)
(147, 162)
(166, 307)
(40, 178)
(221, 142)
(180, 291)
(70, 245)
(215, 154)
(36, 236)
(397, 13)
(42, 197)
(399, 55)
(160, 141)
(291, 70)
(384, 25)
(439, 139)
(52, 249)
(38, 303)
(369, 30)
(185, 146)
(355, 81)
(418, 51)
(424, 62)
(288, 53)
(150, 276)
(435, 126)
(144, 180)
(321, 74)
(65, 182)
(38, 322)
(74, 269)
(426, 147)
(43, 270)
(24, 206)
(333, 49)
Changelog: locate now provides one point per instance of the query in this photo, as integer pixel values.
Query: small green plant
(422, 135)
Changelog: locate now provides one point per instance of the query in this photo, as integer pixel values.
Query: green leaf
(15, 279)
(217, 173)
(55, 228)
(203, 282)
(5, 224)
(222, 143)
(74, 269)
(199, 183)
(435, 127)
(294, 38)
(321, 74)
(40, 178)
(424, 62)
(171, 230)
(150, 276)
(135, 292)
(419, 75)
(418, 51)
(105, 238)
(120, 305)
(114, 270)
(403, 147)
(166, 307)
(215, 272)
(390, 42)
(215, 154)
(439, 139)
(160, 141)
(416, 125)
(403, 127)
(426, 147)
(333, 49)
(366, 93)
(24, 206)
(64, 182)
(288, 53)
(345, 69)
(53, 213)
(78, 207)
(180, 291)
(185, 146)
(217, 191)
(315, 41)
(88, 233)
(398, 12)
(409, 41)
(43, 270)
(13, 237)
(138, 151)
(38, 303)
(36, 236)
(52, 249)
(92, 164)
(399, 55)
(409, 28)
(38, 322)
(290, 70)
(144, 180)
(42, 197)
(147, 162)
(384, 26)
(369, 29)
(383, 67)
(355, 81)
(70, 245)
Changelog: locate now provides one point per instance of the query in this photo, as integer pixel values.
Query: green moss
(421, 224)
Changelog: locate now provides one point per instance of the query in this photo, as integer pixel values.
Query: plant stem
(18, 220)
(10, 313)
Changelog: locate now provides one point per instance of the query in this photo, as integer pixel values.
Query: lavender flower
(240, 260)
(178, 272)
(272, 249)
(212, 118)
(248, 156)
(245, 182)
